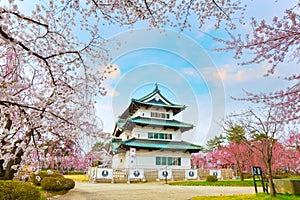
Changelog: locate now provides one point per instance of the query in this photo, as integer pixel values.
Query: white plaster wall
(118, 161)
(126, 160)
(146, 159)
(126, 135)
(143, 112)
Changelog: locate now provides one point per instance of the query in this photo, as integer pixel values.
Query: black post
(255, 186)
(166, 177)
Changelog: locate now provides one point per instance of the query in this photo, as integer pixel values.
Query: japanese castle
(146, 135)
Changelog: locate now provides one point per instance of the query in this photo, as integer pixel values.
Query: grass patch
(48, 194)
(259, 196)
(239, 183)
(292, 178)
(79, 177)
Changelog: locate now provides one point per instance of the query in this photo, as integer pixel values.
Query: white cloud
(230, 74)
(190, 71)
(112, 92)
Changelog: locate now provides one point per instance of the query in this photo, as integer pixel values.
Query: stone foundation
(287, 186)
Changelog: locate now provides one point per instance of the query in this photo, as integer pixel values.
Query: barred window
(160, 115)
(168, 161)
(161, 136)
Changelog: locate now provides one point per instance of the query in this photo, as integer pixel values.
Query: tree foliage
(253, 138)
(214, 143)
(47, 84)
(275, 42)
(99, 155)
(260, 135)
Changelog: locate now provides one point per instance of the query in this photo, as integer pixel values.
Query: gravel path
(146, 191)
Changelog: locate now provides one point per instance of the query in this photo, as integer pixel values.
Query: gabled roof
(156, 144)
(154, 93)
(155, 99)
(130, 123)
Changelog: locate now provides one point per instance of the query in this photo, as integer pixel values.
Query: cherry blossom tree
(262, 133)
(231, 151)
(247, 147)
(198, 160)
(46, 84)
(99, 156)
(292, 143)
(274, 43)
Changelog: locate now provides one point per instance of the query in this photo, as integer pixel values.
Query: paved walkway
(146, 191)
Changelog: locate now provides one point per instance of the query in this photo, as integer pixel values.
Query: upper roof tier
(153, 99)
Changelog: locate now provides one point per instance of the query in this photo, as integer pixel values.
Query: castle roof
(130, 123)
(118, 144)
(153, 99)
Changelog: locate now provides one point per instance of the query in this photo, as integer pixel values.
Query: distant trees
(253, 138)
(99, 156)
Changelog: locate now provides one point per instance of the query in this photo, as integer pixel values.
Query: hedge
(37, 178)
(211, 178)
(57, 184)
(16, 190)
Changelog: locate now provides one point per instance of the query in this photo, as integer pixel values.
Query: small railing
(124, 175)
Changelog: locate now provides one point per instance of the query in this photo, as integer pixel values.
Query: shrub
(285, 175)
(42, 175)
(16, 190)
(69, 184)
(52, 183)
(57, 184)
(211, 178)
(247, 175)
(276, 177)
(79, 172)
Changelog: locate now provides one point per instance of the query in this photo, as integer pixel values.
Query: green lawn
(245, 183)
(79, 177)
(260, 196)
(48, 194)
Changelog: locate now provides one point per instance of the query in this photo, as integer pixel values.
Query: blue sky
(188, 72)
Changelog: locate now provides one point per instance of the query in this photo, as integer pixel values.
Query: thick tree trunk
(272, 188)
(271, 184)
(240, 169)
(241, 175)
(8, 172)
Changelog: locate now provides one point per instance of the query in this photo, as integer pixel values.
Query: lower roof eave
(162, 149)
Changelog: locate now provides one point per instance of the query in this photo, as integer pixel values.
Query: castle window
(158, 160)
(168, 161)
(163, 160)
(161, 136)
(150, 135)
(160, 115)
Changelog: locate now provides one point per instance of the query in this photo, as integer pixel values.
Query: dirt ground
(146, 191)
